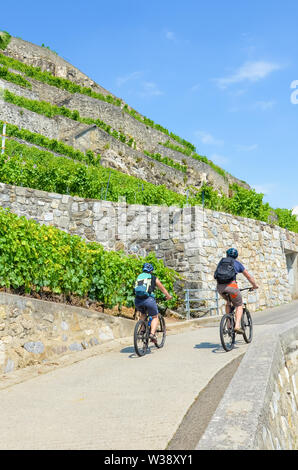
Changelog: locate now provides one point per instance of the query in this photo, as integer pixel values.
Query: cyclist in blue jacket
(145, 285)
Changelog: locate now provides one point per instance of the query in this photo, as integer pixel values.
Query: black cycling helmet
(232, 253)
(147, 268)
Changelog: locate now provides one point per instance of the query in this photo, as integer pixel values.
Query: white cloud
(249, 71)
(149, 89)
(264, 105)
(141, 87)
(266, 188)
(219, 159)
(127, 78)
(195, 87)
(170, 35)
(208, 139)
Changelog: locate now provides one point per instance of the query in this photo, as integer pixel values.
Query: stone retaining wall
(114, 153)
(259, 408)
(123, 157)
(48, 60)
(190, 240)
(34, 331)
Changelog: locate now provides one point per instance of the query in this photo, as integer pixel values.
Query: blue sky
(216, 73)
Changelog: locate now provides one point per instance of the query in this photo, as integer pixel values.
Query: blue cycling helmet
(148, 268)
(232, 253)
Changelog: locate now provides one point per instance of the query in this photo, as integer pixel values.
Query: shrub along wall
(190, 240)
(35, 257)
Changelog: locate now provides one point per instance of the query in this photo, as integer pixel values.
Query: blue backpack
(144, 286)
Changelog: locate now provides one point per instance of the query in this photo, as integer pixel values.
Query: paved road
(116, 400)
(281, 314)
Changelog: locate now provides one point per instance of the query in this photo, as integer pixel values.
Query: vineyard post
(107, 186)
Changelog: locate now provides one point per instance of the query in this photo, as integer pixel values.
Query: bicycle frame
(142, 332)
(227, 325)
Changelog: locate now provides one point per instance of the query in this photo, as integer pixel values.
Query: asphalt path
(117, 401)
(200, 412)
(277, 315)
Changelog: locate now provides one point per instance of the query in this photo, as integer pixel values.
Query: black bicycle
(227, 326)
(142, 331)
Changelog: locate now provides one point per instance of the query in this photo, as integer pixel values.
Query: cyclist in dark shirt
(230, 291)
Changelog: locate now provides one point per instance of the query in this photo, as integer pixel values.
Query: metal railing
(190, 298)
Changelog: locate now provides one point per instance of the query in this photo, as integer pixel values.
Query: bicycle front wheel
(141, 338)
(227, 333)
(161, 332)
(246, 324)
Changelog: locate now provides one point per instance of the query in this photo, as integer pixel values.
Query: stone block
(35, 347)
(9, 367)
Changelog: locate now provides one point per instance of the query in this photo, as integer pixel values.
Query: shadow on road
(216, 348)
(129, 349)
(132, 354)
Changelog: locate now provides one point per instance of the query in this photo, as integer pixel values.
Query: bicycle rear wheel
(141, 338)
(246, 324)
(161, 332)
(227, 333)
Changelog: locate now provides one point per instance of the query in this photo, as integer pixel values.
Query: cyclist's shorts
(148, 304)
(231, 292)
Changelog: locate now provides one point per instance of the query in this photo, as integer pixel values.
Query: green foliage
(286, 219)
(51, 144)
(4, 39)
(167, 161)
(158, 127)
(86, 183)
(189, 152)
(49, 110)
(248, 203)
(5, 74)
(71, 87)
(47, 47)
(34, 256)
(59, 82)
(244, 203)
(37, 169)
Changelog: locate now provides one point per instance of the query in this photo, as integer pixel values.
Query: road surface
(117, 401)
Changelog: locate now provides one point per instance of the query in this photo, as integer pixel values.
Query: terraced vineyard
(67, 135)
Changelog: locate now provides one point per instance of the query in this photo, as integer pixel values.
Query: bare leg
(154, 324)
(238, 315)
(228, 307)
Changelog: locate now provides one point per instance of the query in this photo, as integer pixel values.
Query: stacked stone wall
(34, 331)
(190, 240)
(259, 408)
(49, 61)
(114, 153)
(145, 137)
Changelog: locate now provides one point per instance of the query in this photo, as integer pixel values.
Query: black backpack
(225, 271)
